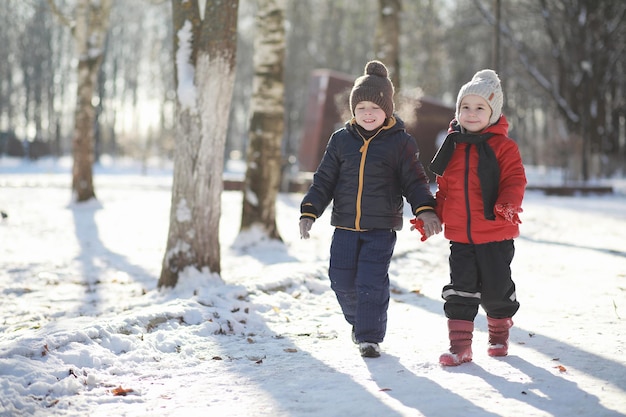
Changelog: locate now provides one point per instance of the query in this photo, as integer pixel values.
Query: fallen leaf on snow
(561, 368)
(290, 350)
(52, 404)
(121, 391)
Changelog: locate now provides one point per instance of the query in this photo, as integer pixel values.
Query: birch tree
(264, 158)
(387, 43)
(89, 27)
(205, 45)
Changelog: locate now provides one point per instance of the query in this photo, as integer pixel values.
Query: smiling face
(369, 115)
(474, 113)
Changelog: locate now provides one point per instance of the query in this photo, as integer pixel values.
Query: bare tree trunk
(264, 160)
(496, 37)
(586, 55)
(92, 20)
(205, 49)
(387, 45)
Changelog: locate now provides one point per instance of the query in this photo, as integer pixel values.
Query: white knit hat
(486, 84)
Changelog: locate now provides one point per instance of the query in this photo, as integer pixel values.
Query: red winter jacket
(459, 196)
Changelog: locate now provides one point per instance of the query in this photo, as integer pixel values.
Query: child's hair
(375, 86)
(486, 84)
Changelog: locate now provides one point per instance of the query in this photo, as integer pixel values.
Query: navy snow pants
(359, 266)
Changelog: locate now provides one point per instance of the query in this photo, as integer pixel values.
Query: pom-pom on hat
(375, 86)
(486, 84)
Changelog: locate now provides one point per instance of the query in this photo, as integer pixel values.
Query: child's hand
(305, 226)
(427, 223)
(509, 212)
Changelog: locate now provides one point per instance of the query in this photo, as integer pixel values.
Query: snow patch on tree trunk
(186, 87)
(183, 213)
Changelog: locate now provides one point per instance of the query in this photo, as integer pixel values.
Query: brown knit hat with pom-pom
(375, 86)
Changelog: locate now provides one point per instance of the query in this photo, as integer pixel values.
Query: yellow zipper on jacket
(363, 150)
(359, 194)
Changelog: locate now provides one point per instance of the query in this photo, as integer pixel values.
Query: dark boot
(499, 336)
(460, 333)
(369, 350)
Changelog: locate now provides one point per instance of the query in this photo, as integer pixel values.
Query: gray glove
(305, 226)
(432, 224)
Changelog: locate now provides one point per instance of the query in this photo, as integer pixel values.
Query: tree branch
(530, 67)
(62, 18)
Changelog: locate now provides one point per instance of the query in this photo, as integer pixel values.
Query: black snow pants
(480, 275)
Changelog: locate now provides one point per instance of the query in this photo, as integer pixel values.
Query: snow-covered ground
(85, 332)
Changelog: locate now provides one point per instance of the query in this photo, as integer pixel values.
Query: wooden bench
(570, 190)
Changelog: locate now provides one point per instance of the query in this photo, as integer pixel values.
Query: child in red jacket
(481, 183)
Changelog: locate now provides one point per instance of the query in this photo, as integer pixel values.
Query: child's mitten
(305, 226)
(418, 224)
(509, 212)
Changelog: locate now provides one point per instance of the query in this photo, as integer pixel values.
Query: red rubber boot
(498, 336)
(460, 333)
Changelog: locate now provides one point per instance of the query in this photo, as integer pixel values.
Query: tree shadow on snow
(96, 259)
(551, 384)
(419, 392)
(302, 385)
(545, 391)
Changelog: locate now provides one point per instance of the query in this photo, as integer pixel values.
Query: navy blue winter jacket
(366, 179)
